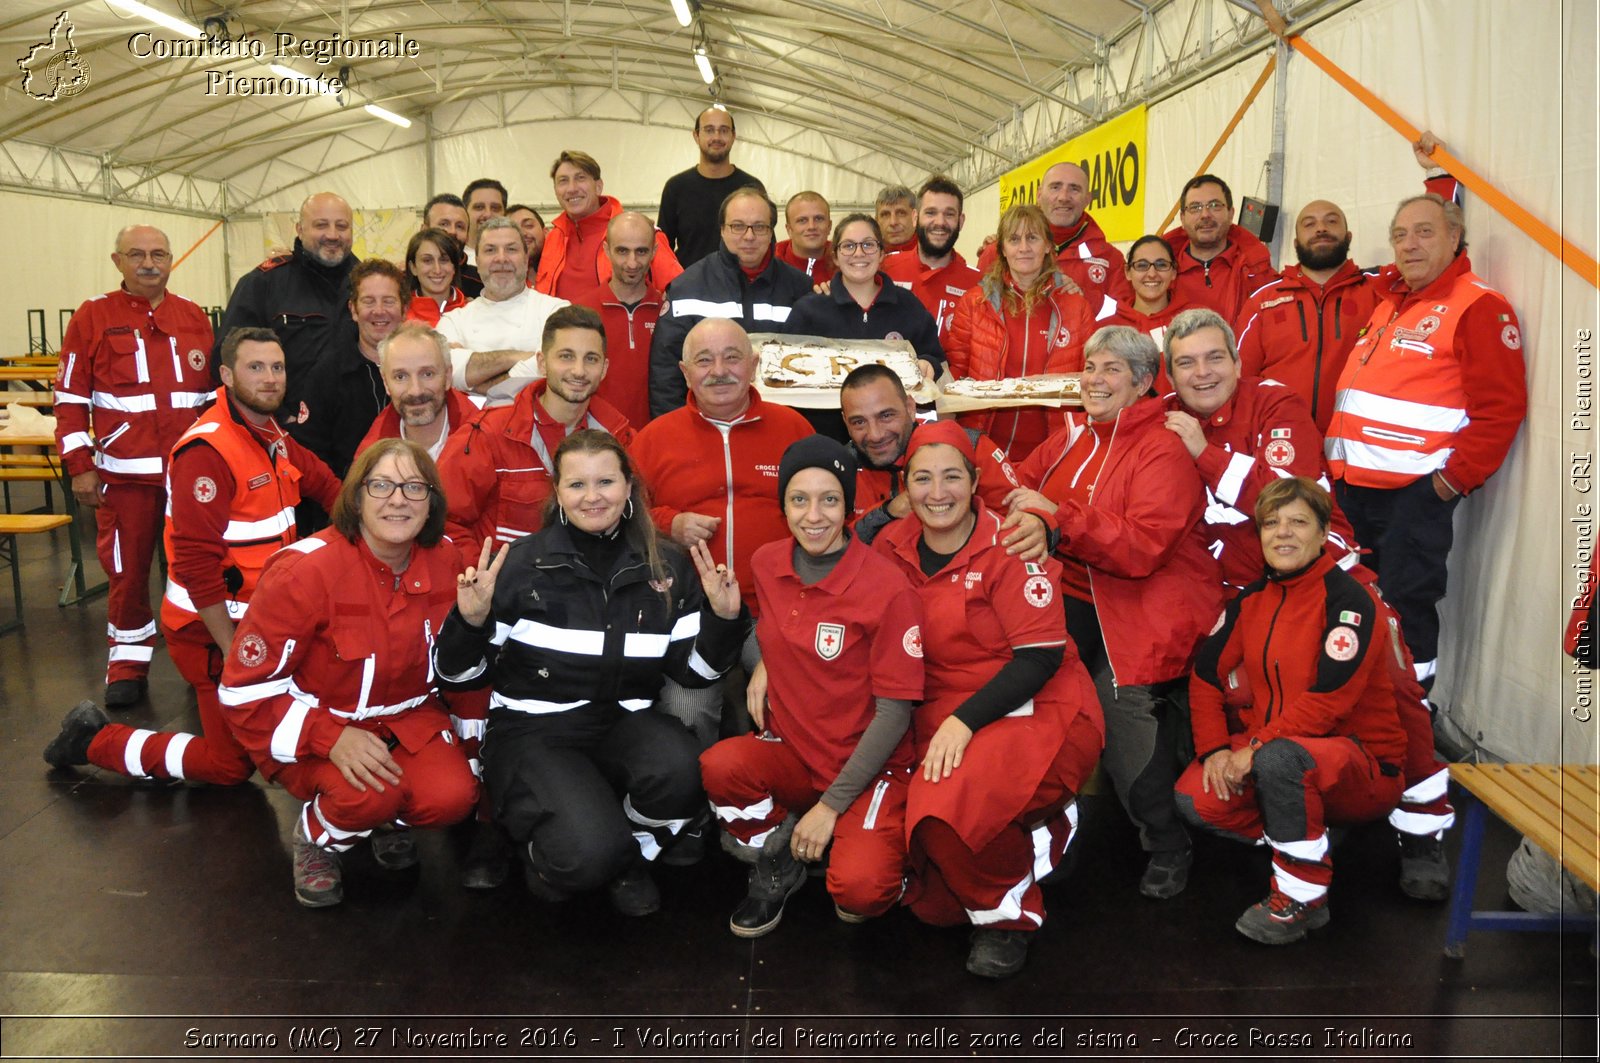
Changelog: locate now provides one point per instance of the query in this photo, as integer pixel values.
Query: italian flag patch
(1280, 433)
(1347, 617)
(1033, 569)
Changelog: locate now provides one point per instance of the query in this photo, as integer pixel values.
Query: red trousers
(213, 756)
(436, 789)
(754, 783)
(129, 519)
(1296, 787)
(997, 886)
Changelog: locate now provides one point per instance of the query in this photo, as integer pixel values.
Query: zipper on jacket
(1273, 672)
(1110, 664)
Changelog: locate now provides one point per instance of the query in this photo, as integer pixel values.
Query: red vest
(260, 515)
(1401, 397)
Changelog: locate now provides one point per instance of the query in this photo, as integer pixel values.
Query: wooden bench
(11, 526)
(1557, 807)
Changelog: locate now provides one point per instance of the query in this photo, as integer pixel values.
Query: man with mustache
(690, 200)
(1219, 263)
(236, 477)
(497, 471)
(1299, 328)
(134, 365)
(415, 364)
(302, 295)
(497, 334)
(934, 270)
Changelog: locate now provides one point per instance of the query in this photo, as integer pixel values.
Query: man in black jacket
(743, 281)
(301, 296)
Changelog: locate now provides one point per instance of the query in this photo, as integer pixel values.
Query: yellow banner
(1113, 155)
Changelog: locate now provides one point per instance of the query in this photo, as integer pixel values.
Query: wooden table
(1557, 807)
(75, 577)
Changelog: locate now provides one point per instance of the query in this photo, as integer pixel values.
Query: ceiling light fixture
(681, 9)
(708, 73)
(160, 18)
(388, 116)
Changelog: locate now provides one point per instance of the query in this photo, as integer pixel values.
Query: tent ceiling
(915, 81)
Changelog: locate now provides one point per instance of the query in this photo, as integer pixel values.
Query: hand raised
(719, 582)
(475, 586)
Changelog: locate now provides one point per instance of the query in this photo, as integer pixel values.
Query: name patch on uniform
(1342, 643)
(911, 641)
(830, 640)
(259, 481)
(1270, 303)
(1038, 591)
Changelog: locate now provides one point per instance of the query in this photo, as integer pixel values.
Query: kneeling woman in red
(1011, 727)
(841, 652)
(1321, 741)
(329, 686)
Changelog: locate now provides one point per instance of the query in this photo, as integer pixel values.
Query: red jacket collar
(902, 536)
(1395, 285)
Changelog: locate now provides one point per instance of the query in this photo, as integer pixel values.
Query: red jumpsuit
(337, 639)
(830, 649)
(232, 492)
(130, 380)
(937, 289)
(980, 839)
(629, 332)
(1321, 717)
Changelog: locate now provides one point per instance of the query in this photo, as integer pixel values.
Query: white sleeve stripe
(286, 736)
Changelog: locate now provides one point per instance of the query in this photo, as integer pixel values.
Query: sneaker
(773, 880)
(1167, 874)
(125, 693)
(1424, 871)
(394, 848)
(849, 917)
(488, 862)
(1282, 920)
(633, 893)
(998, 953)
(70, 748)
(318, 880)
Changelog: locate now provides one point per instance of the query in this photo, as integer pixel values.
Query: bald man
(134, 365)
(630, 303)
(302, 296)
(1082, 251)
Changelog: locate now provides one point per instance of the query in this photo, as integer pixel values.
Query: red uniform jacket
(996, 479)
(457, 407)
(1452, 355)
(1263, 433)
(690, 464)
(1085, 255)
(134, 375)
(819, 269)
(1312, 652)
(423, 308)
(831, 648)
(1299, 334)
(1155, 587)
(628, 337)
(494, 478)
(978, 609)
(553, 258)
(937, 289)
(1224, 282)
(336, 639)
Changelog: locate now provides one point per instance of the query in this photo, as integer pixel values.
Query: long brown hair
(346, 514)
(638, 530)
(998, 277)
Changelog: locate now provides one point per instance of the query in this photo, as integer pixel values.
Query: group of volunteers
(506, 534)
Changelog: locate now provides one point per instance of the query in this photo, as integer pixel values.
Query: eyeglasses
(1210, 206)
(1144, 265)
(865, 247)
(739, 228)
(136, 256)
(415, 490)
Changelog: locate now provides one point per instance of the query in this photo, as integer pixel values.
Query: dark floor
(159, 923)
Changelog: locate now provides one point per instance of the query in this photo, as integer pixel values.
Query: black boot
(70, 748)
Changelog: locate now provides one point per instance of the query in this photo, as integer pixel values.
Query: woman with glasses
(863, 304)
(433, 261)
(1152, 267)
(1023, 318)
(329, 686)
(592, 781)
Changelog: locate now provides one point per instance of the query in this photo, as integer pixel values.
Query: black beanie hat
(820, 452)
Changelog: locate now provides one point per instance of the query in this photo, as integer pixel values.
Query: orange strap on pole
(1570, 255)
(1233, 123)
(197, 244)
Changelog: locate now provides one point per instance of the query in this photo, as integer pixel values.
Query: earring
(627, 510)
(561, 515)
